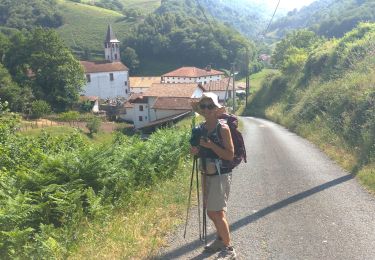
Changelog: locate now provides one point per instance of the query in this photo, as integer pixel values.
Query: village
(149, 101)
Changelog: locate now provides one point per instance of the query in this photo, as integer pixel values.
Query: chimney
(208, 67)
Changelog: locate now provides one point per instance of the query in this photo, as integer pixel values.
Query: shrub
(69, 116)
(93, 125)
(40, 108)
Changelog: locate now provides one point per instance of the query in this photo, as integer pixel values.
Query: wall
(202, 80)
(100, 85)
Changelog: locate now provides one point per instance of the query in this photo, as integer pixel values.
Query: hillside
(330, 18)
(178, 33)
(324, 91)
(85, 26)
(247, 17)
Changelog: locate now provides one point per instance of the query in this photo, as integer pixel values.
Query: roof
(102, 66)
(110, 37)
(143, 82)
(218, 85)
(88, 98)
(128, 104)
(192, 72)
(172, 90)
(173, 103)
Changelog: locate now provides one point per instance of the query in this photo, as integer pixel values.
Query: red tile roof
(172, 90)
(143, 82)
(172, 103)
(192, 72)
(218, 85)
(102, 66)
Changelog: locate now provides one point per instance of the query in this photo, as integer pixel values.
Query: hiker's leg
(221, 224)
(211, 215)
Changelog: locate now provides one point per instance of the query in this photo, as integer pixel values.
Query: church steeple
(111, 46)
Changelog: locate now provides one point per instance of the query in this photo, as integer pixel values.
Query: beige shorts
(217, 189)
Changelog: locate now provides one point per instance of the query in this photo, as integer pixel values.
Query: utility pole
(233, 89)
(247, 88)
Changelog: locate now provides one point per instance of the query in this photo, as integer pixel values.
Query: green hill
(85, 26)
(330, 18)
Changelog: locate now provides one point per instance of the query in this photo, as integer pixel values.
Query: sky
(286, 4)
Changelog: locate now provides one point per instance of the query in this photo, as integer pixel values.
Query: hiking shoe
(227, 253)
(214, 246)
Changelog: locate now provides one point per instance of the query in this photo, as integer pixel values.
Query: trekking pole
(204, 191)
(198, 198)
(205, 209)
(189, 200)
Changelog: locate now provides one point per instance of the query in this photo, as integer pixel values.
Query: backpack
(237, 139)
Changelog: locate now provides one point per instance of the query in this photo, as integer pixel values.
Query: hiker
(215, 145)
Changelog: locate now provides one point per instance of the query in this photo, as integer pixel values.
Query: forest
(177, 30)
(29, 14)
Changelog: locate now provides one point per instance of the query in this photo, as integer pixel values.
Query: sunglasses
(208, 106)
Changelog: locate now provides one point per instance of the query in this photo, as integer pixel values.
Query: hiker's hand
(206, 144)
(194, 150)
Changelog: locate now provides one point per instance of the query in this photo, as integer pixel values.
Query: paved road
(289, 202)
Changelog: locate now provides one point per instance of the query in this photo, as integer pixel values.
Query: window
(140, 118)
(126, 83)
(126, 91)
(115, 56)
(111, 78)
(88, 78)
(140, 108)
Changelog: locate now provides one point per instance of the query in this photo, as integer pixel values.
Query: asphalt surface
(288, 202)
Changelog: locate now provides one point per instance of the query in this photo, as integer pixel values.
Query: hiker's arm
(226, 153)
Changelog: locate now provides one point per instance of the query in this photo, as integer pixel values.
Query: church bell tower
(111, 46)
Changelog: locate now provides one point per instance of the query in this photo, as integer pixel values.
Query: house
(128, 112)
(192, 75)
(141, 84)
(161, 102)
(107, 79)
(222, 88)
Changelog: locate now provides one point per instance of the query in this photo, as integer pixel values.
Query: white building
(141, 84)
(161, 102)
(108, 78)
(192, 75)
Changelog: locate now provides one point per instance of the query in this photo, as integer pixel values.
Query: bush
(93, 125)
(68, 116)
(40, 108)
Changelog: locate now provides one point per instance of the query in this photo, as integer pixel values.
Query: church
(107, 79)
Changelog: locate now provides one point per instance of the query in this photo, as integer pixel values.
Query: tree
(302, 39)
(17, 97)
(42, 61)
(130, 58)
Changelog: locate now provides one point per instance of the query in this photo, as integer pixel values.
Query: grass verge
(139, 228)
(367, 177)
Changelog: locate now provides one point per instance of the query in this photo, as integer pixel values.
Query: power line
(269, 24)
